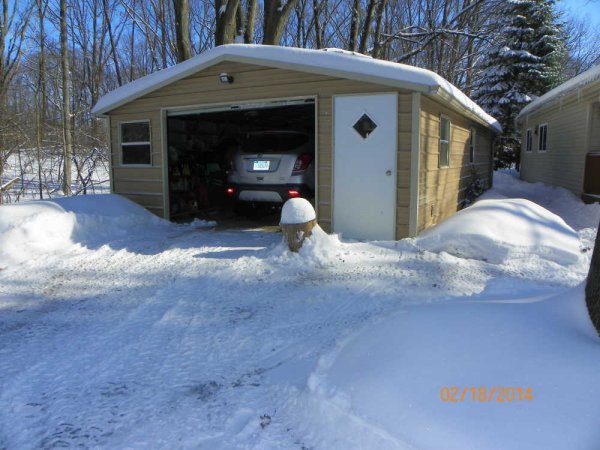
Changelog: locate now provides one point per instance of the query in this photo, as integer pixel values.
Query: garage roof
(573, 85)
(333, 62)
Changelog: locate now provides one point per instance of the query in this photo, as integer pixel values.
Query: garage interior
(201, 145)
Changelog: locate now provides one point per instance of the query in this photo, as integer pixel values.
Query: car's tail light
(230, 191)
(293, 194)
(302, 162)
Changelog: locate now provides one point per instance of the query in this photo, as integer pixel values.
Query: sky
(589, 9)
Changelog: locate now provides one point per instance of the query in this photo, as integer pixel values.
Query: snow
(497, 230)
(339, 64)
(297, 211)
(580, 81)
(558, 200)
(120, 330)
(382, 388)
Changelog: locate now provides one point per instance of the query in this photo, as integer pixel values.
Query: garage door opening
(242, 163)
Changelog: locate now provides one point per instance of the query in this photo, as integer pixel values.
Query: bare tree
(13, 27)
(182, 29)
(276, 14)
(66, 101)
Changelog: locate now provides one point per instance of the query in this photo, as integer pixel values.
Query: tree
(276, 14)
(592, 287)
(182, 29)
(66, 101)
(523, 62)
(13, 27)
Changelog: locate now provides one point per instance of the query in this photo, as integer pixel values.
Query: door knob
(388, 173)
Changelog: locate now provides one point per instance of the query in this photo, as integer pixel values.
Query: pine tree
(523, 62)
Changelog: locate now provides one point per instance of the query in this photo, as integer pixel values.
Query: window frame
(472, 144)
(545, 126)
(528, 140)
(126, 144)
(444, 141)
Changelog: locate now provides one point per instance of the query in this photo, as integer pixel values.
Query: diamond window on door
(364, 126)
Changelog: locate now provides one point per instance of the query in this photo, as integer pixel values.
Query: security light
(225, 78)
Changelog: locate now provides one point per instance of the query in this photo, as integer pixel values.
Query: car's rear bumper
(269, 193)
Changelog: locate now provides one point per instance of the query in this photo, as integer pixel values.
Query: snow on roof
(578, 82)
(332, 62)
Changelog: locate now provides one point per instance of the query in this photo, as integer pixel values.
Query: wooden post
(295, 233)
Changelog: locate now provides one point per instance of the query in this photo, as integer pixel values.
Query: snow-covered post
(298, 218)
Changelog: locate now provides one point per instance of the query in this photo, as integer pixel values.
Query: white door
(364, 166)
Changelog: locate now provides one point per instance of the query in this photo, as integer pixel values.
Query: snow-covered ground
(93, 174)
(118, 330)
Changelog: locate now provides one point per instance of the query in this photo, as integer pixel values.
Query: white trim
(268, 103)
(529, 140)
(165, 164)
(472, 144)
(449, 140)
(120, 143)
(544, 150)
(415, 151)
(111, 177)
(244, 105)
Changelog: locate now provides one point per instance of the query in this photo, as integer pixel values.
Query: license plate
(261, 165)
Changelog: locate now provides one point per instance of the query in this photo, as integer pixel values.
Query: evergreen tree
(524, 61)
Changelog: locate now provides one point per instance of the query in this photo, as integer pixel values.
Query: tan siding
(442, 190)
(594, 140)
(569, 123)
(256, 83)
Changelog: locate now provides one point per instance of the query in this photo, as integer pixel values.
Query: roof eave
(336, 73)
(449, 98)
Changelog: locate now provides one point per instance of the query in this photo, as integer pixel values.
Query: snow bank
(296, 211)
(102, 217)
(28, 229)
(382, 387)
(558, 200)
(495, 230)
(200, 223)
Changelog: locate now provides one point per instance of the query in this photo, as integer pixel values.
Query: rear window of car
(273, 142)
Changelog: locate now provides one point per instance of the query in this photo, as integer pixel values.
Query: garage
(239, 161)
(384, 150)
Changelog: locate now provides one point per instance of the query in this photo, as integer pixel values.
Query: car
(270, 167)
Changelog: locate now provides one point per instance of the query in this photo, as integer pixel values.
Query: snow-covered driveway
(138, 334)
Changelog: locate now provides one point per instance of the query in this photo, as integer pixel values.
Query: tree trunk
(364, 39)
(226, 12)
(352, 43)
(182, 29)
(111, 38)
(378, 24)
(66, 103)
(250, 21)
(592, 288)
(276, 15)
(317, 19)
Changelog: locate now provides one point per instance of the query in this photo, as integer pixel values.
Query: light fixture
(225, 78)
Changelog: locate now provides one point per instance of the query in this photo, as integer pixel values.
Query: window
(472, 145)
(444, 160)
(543, 136)
(135, 143)
(528, 140)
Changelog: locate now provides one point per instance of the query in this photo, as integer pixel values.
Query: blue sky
(589, 9)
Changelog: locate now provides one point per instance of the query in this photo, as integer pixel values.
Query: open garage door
(240, 160)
